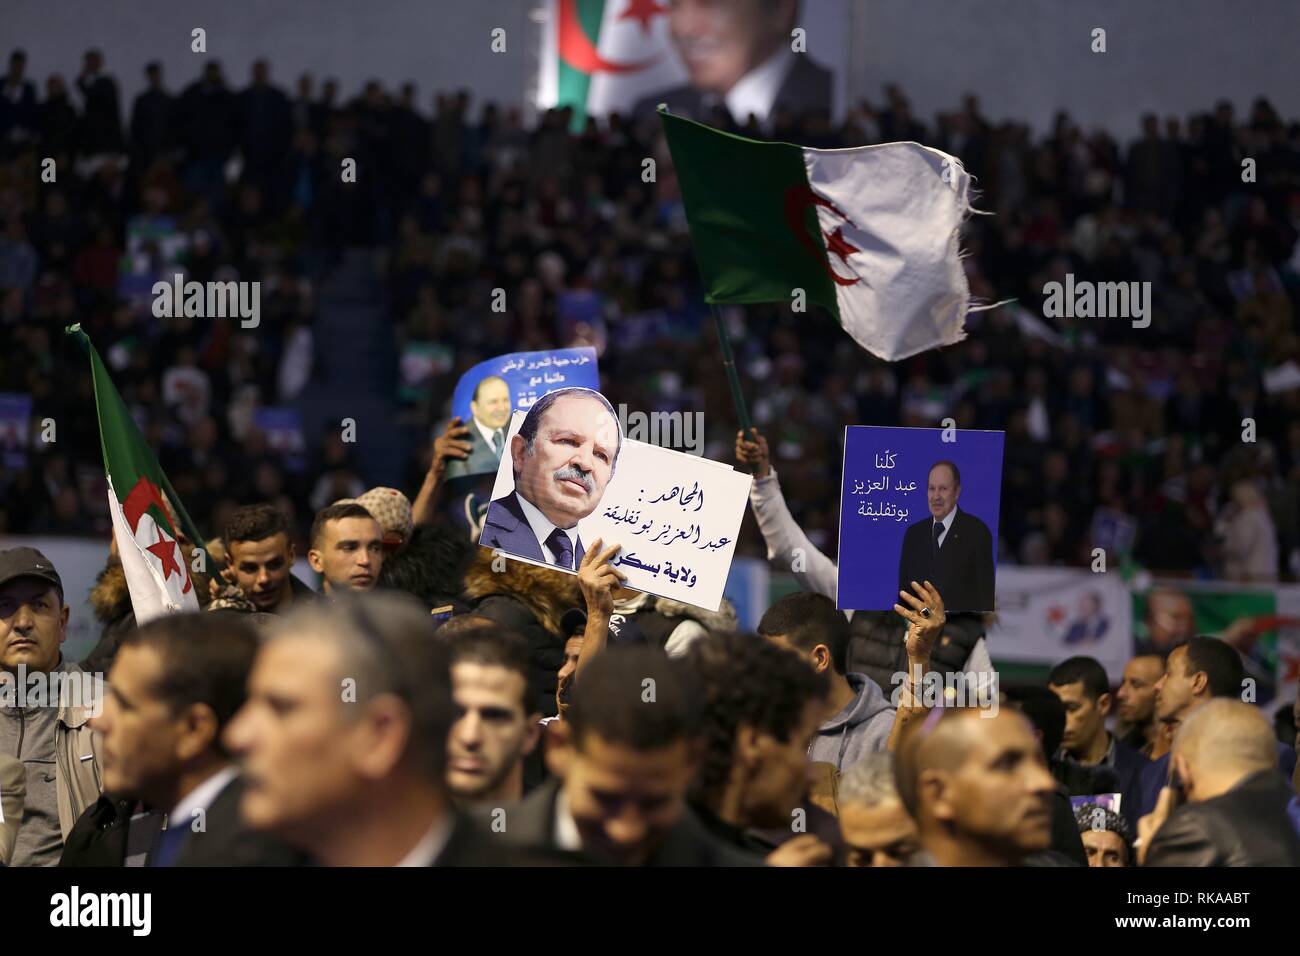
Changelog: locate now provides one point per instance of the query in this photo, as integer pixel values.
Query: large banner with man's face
(569, 478)
(748, 57)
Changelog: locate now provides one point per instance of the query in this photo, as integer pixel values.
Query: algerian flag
(869, 233)
(156, 572)
(602, 55)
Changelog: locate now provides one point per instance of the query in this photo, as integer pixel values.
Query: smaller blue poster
(919, 504)
(15, 429)
(490, 392)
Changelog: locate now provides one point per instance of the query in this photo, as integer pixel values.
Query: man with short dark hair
(1195, 673)
(1224, 761)
(859, 718)
(343, 738)
(977, 784)
(1084, 689)
(347, 548)
(624, 757)
(176, 682)
(762, 707)
(495, 726)
(51, 736)
(261, 556)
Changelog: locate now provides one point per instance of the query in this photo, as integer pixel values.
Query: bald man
(977, 784)
(1235, 811)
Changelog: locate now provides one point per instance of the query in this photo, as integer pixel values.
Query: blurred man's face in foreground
(625, 801)
(881, 835)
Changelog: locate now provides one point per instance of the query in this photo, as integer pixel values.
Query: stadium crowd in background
(1125, 437)
(518, 723)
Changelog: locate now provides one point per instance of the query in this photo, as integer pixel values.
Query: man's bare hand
(1150, 824)
(598, 578)
(754, 454)
(452, 443)
(923, 629)
(803, 850)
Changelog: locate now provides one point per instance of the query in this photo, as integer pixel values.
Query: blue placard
(527, 377)
(889, 506)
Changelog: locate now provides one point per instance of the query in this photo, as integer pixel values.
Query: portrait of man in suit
(738, 56)
(563, 457)
(490, 409)
(950, 548)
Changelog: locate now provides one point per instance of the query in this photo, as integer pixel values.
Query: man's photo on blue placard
(915, 507)
(491, 391)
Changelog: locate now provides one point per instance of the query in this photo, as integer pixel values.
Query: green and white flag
(138, 491)
(869, 233)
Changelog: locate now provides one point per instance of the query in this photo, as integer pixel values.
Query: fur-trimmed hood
(723, 619)
(548, 594)
(110, 597)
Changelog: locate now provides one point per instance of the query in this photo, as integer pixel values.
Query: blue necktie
(562, 548)
(938, 531)
(169, 846)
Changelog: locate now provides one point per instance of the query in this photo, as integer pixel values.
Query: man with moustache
(51, 738)
(949, 547)
(977, 784)
(564, 455)
(490, 412)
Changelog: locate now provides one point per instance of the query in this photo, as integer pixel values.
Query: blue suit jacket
(507, 529)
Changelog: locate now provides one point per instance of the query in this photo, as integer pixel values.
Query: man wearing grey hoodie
(862, 718)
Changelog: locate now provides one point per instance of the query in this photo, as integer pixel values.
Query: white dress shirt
(567, 836)
(431, 845)
(487, 433)
(755, 92)
(947, 525)
(200, 798)
(542, 528)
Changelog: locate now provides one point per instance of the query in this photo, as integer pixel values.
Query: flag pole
(733, 377)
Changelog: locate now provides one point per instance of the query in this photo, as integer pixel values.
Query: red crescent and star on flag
(799, 198)
(144, 494)
(577, 50)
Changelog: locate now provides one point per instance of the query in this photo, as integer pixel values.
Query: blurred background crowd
(376, 294)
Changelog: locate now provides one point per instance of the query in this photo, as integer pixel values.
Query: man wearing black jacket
(624, 757)
(177, 681)
(950, 548)
(343, 738)
(1224, 763)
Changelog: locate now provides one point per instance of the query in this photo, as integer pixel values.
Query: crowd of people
(548, 719)
(1126, 438)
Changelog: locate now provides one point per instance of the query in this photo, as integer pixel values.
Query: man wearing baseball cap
(43, 724)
